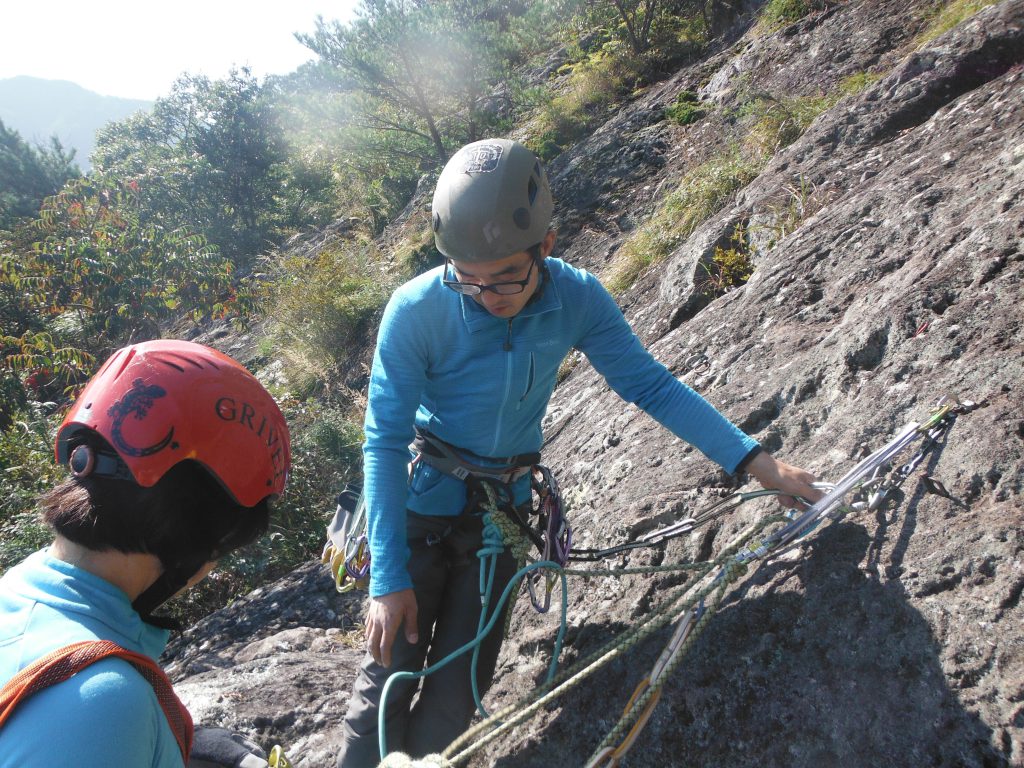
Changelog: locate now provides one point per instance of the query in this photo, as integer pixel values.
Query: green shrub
(946, 15)
(593, 87)
(418, 253)
(701, 193)
(776, 14)
(775, 123)
(779, 13)
(857, 82)
(772, 125)
(27, 469)
(730, 267)
(321, 309)
(784, 215)
(686, 110)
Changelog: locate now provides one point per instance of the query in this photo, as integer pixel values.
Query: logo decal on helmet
(481, 158)
(136, 402)
(229, 409)
(492, 231)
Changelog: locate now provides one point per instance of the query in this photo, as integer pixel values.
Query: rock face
(892, 637)
(277, 664)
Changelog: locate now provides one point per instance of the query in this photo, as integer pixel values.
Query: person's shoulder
(563, 270)
(107, 709)
(572, 281)
(114, 686)
(422, 286)
(425, 292)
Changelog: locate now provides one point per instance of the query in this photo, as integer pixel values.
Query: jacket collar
(477, 318)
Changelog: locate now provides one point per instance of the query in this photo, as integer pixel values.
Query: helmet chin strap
(171, 581)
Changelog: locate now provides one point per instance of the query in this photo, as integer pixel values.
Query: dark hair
(187, 517)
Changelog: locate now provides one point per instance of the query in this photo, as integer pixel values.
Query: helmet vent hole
(185, 360)
(531, 190)
(521, 217)
(437, 221)
(171, 364)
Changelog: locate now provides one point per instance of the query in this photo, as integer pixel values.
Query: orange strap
(58, 666)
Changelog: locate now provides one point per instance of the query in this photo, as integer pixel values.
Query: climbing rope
(499, 532)
(681, 600)
(678, 528)
(692, 605)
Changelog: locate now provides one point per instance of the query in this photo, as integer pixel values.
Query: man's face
(514, 267)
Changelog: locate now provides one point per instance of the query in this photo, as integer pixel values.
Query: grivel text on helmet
(229, 409)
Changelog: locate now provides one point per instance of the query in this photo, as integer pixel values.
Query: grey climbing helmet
(492, 200)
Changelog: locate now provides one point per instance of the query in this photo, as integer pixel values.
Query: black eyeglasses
(507, 288)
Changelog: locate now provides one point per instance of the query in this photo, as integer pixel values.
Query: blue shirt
(107, 714)
(482, 383)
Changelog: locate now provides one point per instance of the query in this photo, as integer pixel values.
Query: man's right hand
(385, 618)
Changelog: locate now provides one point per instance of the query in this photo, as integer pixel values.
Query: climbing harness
(489, 480)
(346, 551)
(690, 606)
(463, 464)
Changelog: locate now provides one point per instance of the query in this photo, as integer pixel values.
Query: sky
(137, 48)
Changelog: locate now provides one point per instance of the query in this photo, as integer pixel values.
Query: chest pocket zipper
(529, 378)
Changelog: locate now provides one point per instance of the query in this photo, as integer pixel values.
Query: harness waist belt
(463, 464)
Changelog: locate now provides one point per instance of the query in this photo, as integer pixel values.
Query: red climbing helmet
(161, 402)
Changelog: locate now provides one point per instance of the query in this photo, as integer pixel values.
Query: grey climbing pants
(425, 715)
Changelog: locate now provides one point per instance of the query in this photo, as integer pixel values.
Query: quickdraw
(278, 759)
(347, 551)
(870, 483)
(698, 362)
(867, 474)
(676, 529)
(871, 493)
(557, 539)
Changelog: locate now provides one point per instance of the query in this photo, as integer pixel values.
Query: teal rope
(474, 643)
(493, 545)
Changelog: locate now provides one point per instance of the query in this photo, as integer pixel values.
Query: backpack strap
(63, 663)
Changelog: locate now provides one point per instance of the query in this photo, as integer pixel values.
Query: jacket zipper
(507, 346)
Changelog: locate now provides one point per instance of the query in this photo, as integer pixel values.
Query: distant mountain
(39, 109)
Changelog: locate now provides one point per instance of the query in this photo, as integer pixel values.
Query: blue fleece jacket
(482, 383)
(107, 714)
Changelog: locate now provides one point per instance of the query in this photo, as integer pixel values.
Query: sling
(63, 663)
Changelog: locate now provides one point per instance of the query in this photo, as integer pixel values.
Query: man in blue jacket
(466, 359)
